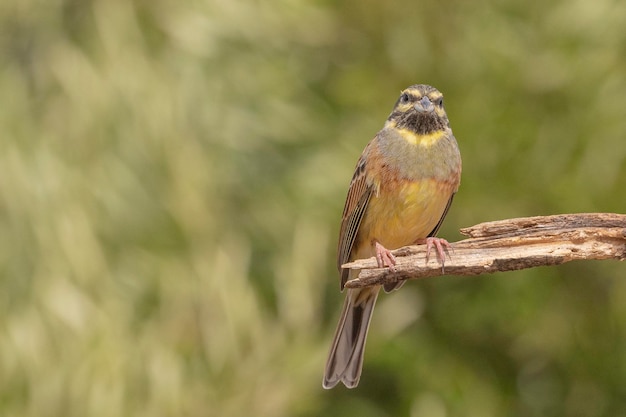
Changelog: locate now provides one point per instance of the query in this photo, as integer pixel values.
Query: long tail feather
(345, 359)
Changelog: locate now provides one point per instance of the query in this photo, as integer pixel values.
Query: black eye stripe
(406, 98)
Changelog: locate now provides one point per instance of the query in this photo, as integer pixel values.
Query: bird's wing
(358, 198)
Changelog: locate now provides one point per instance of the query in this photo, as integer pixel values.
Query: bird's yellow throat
(422, 140)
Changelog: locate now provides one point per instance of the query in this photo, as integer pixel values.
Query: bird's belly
(402, 213)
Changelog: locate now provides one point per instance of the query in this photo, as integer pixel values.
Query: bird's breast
(405, 211)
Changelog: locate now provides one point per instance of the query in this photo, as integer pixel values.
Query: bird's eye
(439, 101)
(404, 98)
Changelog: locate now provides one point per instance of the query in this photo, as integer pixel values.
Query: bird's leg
(441, 245)
(384, 257)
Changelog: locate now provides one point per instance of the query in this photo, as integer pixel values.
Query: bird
(402, 187)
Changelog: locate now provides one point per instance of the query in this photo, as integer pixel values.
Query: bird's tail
(345, 359)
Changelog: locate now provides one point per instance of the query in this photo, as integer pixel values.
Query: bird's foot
(441, 246)
(384, 257)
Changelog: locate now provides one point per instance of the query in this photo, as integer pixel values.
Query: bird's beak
(424, 105)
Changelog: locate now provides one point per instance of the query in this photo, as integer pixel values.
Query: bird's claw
(441, 246)
(384, 257)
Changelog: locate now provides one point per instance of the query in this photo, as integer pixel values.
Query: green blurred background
(172, 175)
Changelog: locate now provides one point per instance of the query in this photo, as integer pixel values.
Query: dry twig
(508, 245)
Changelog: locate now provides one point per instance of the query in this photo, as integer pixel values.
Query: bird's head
(420, 110)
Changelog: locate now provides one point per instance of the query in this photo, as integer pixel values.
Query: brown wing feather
(358, 197)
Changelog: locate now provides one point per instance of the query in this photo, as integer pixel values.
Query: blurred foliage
(172, 176)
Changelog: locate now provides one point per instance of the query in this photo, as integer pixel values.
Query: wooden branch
(507, 245)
